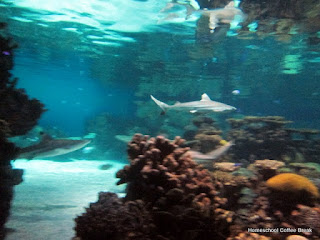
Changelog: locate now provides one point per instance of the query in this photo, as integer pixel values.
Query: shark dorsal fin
(46, 137)
(205, 97)
(230, 5)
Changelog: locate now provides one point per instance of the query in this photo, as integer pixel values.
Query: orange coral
(290, 182)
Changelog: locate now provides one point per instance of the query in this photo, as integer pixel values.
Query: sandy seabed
(54, 193)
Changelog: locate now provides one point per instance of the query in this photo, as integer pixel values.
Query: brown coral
(176, 189)
(110, 218)
(296, 237)
(226, 166)
(306, 217)
(205, 137)
(249, 236)
(157, 166)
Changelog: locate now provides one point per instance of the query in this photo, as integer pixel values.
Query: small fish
(205, 104)
(87, 150)
(237, 164)
(6, 53)
(50, 147)
(235, 92)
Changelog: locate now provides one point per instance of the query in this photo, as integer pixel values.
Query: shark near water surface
(230, 14)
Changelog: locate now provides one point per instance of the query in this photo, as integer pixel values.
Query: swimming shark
(207, 158)
(50, 147)
(227, 15)
(230, 14)
(213, 155)
(205, 104)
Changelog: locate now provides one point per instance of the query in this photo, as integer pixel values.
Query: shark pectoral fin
(193, 111)
(213, 23)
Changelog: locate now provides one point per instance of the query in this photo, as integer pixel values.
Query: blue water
(69, 94)
(94, 65)
(102, 57)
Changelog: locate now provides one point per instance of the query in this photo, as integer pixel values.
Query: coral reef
(177, 188)
(310, 170)
(111, 218)
(174, 190)
(259, 137)
(229, 187)
(175, 198)
(18, 114)
(204, 135)
(265, 169)
(306, 217)
(224, 203)
(268, 138)
(280, 17)
(226, 166)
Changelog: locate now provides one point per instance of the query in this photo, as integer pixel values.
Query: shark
(207, 158)
(205, 104)
(227, 15)
(230, 14)
(51, 147)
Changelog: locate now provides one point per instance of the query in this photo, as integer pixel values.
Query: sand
(54, 193)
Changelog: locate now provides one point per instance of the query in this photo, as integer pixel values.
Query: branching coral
(178, 189)
(177, 193)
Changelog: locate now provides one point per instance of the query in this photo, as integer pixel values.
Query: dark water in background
(78, 74)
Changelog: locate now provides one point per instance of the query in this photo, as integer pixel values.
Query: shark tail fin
(162, 105)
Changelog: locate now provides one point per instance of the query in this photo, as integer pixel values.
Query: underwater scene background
(88, 69)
